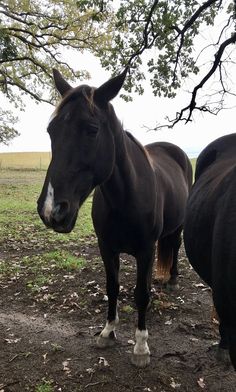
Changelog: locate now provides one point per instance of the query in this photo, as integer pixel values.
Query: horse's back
(171, 158)
(174, 178)
(220, 150)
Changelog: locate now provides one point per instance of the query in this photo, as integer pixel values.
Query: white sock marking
(110, 327)
(141, 346)
(49, 202)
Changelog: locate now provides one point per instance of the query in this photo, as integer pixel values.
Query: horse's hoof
(140, 361)
(110, 341)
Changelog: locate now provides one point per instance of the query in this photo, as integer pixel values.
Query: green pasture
(28, 250)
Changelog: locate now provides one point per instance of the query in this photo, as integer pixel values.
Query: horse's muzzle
(61, 218)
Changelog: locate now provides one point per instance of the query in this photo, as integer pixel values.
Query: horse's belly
(125, 234)
(174, 213)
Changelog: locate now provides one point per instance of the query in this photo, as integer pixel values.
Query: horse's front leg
(108, 336)
(141, 354)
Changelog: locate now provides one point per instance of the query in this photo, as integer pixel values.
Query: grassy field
(21, 230)
(25, 160)
(31, 160)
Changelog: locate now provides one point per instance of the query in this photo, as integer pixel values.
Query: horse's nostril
(60, 211)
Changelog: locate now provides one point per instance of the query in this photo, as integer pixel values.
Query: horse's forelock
(85, 91)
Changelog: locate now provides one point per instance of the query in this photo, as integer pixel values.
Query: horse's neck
(124, 180)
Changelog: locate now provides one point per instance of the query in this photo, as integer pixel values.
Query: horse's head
(82, 145)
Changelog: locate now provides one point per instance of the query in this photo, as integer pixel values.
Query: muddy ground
(47, 338)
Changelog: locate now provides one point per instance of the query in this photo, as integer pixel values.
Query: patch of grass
(44, 386)
(127, 309)
(65, 260)
(60, 259)
(40, 269)
(20, 225)
(193, 162)
(37, 283)
(43, 268)
(10, 269)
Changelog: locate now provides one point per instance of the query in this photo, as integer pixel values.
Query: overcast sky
(144, 110)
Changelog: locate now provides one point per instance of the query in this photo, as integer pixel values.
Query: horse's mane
(142, 148)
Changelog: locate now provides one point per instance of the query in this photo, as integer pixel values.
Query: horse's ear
(61, 84)
(107, 91)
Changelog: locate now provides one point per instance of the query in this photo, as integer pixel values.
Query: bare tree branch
(187, 26)
(145, 44)
(192, 105)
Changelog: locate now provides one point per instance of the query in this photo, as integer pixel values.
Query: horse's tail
(164, 260)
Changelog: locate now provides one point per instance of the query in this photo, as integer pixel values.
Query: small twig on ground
(92, 384)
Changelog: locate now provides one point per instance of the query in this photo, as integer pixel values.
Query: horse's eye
(92, 130)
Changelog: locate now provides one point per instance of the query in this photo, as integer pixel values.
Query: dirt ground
(49, 337)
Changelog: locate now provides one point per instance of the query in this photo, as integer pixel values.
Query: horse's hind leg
(111, 262)
(168, 249)
(223, 348)
(176, 241)
(141, 354)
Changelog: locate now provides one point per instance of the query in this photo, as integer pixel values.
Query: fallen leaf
(91, 283)
(11, 341)
(90, 370)
(103, 361)
(65, 366)
(194, 339)
(132, 342)
(45, 357)
(201, 383)
(174, 384)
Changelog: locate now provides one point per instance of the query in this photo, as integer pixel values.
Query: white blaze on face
(49, 202)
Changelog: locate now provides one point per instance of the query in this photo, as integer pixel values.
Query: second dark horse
(209, 233)
(140, 193)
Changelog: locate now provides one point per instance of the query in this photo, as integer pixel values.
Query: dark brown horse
(140, 193)
(209, 233)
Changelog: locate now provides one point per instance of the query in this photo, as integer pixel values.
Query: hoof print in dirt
(140, 361)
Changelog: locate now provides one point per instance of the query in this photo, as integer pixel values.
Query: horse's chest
(127, 233)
